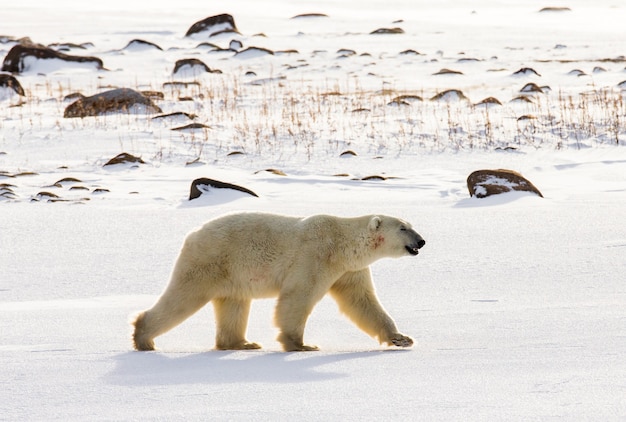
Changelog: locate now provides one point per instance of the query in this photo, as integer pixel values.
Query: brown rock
(113, 101)
(9, 81)
(199, 186)
(483, 183)
(213, 25)
(124, 158)
(14, 60)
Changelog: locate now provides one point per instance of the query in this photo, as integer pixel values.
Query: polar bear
(238, 257)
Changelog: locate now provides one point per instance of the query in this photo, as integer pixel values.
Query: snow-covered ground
(517, 303)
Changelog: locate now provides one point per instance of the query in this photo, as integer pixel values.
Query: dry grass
(311, 119)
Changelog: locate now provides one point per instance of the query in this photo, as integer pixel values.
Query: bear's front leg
(292, 311)
(356, 297)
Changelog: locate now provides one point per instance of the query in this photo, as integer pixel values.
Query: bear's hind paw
(401, 340)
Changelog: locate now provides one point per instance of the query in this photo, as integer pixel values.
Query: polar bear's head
(394, 237)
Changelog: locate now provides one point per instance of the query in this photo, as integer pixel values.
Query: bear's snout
(415, 246)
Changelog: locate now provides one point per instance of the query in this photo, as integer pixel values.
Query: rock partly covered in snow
(203, 184)
(483, 183)
(213, 25)
(9, 81)
(17, 60)
(121, 100)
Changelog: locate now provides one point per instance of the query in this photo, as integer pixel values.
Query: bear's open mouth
(413, 250)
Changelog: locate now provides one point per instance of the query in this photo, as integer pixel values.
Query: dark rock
(252, 52)
(199, 186)
(235, 45)
(213, 25)
(525, 71)
(576, 72)
(192, 64)
(555, 9)
(15, 60)
(272, 171)
(348, 153)
(46, 196)
(124, 158)
(68, 180)
(67, 46)
(408, 98)
(9, 81)
(73, 96)
(142, 44)
(175, 115)
(153, 95)
(483, 183)
(490, 101)
(448, 72)
(310, 15)
(410, 52)
(192, 126)
(387, 31)
(449, 95)
(531, 87)
(114, 101)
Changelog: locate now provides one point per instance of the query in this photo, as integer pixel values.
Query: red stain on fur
(378, 241)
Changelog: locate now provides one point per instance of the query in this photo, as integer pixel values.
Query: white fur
(238, 257)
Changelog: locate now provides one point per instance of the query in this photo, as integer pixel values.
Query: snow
(517, 303)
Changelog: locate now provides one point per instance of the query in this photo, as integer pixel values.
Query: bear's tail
(139, 341)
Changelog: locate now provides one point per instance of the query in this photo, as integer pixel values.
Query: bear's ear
(375, 223)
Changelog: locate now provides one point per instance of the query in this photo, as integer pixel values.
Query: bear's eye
(402, 228)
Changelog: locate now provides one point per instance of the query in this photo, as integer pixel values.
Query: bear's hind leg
(231, 318)
(174, 306)
(292, 312)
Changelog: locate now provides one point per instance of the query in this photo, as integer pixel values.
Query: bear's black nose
(421, 243)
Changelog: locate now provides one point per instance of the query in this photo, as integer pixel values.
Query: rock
(213, 25)
(124, 158)
(276, 172)
(192, 126)
(193, 66)
(15, 60)
(139, 45)
(449, 95)
(202, 185)
(555, 9)
(448, 72)
(410, 52)
(387, 31)
(9, 81)
(119, 100)
(483, 183)
(526, 71)
(489, 101)
(531, 87)
(253, 52)
(310, 15)
(175, 116)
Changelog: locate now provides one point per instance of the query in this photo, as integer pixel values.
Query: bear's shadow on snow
(224, 367)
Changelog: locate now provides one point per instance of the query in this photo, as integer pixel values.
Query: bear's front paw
(302, 348)
(401, 340)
